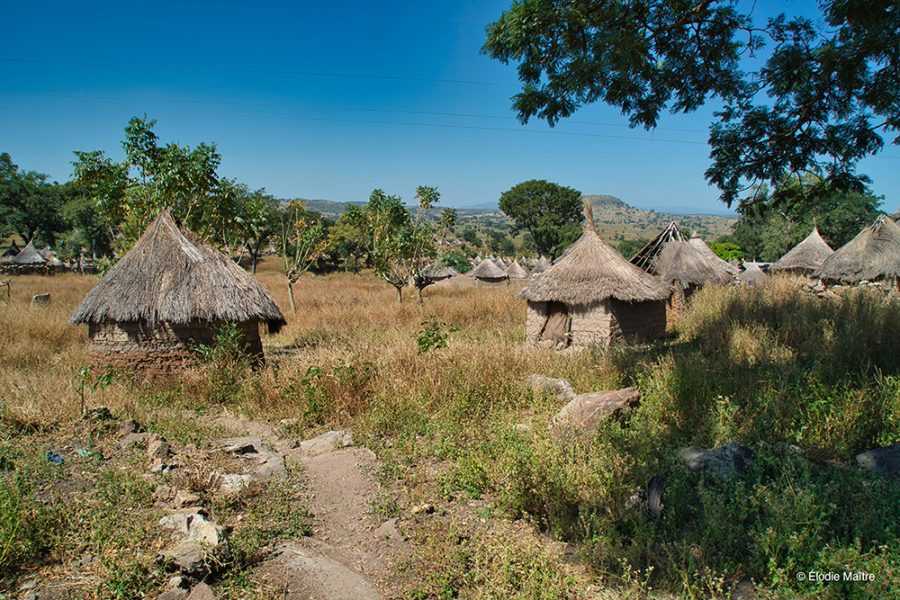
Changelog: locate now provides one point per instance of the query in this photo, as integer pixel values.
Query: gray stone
(585, 411)
(133, 439)
(561, 388)
(205, 531)
(176, 593)
(725, 461)
(202, 591)
(188, 556)
(180, 520)
(305, 573)
(327, 442)
(158, 447)
(99, 413)
(41, 299)
(242, 445)
(183, 499)
(270, 465)
(233, 483)
(883, 461)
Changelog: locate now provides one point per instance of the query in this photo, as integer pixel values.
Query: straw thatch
(501, 264)
(805, 257)
(873, 255)
(593, 271)
(437, 272)
(29, 256)
(646, 256)
(487, 270)
(725, 266)
(541, 265)
(516, 271)
(682, 266)
(752, 274)
(172, 276)
(11, 251)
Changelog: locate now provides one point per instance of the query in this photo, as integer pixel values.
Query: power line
(382, 122)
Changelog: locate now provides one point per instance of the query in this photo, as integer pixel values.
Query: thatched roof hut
(488, 272)
(753, 274)
(516, 271)
(29, 256)
(541, 265)
(806, 257)
(646, 255)
(683, 266)
(873, 255)
(168, 293)
(11, 250)
(697, 242)
(437, 272)
(592, 296)
(501, 264)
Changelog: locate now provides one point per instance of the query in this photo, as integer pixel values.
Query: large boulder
(561, 388)
(585, 412)
(326, 442)
(883, 461)
(725, 461)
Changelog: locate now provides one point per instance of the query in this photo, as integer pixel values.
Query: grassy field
(806, 383)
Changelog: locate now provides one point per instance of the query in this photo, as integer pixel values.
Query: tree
(551, 213)
(349, 238)
(820, 100)
(30, 205)
(302, 241)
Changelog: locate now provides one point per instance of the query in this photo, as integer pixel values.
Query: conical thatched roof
(682, 265)
(752, 274)
(646, 256)
(516, 271)
(28, 256)
(172, 276)
(487, 269)
(500, 263)
(437, 271)
(11, 251)
(541, 265)
(873, 254)
(700, 245)
(591, 270)
(806, 256)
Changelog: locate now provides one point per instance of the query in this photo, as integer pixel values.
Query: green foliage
(433, 335)
(456, 260)
(303, 240)
(228, 362)
(30, 206)
(629, 248)
(727, 250)
(90, 381)
(551, 213)
(820, 100)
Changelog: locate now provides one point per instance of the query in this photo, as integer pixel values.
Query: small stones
(327, 442)
(242, 445)
(183, 499)
(134, 439)
(883, 461)
(426, 509)
(561, 388)
(585, 412)
(128, 426)
(202, 591)
(41, 298)
(158, 447)
(98, 414)
(173, 594)
(725, 461)
(233, 483)
(163, 494)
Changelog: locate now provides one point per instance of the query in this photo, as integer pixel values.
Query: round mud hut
(684, 269)
(29, 261)
(805, 258)
(591, 296)
(873, 255)
(169, 293)
(516, 271)
(697, 242)
(487, 272)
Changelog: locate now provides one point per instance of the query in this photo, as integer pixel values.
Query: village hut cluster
(30, 260)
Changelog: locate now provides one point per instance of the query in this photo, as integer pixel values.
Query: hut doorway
(556, 326)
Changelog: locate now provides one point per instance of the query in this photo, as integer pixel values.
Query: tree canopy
(796, 95)
(551, 213)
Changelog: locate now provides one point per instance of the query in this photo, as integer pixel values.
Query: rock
(883, 461)
(202, 591)
(423, 509)
(160, 466)
(388, 531)
(725, 461)
(173, 594)
(177, 582)
(242, 445)
(585, 411)
(99, 413)
(41, 299)
(744, 590)
(561, 388)
(233, 483)
(183, 499)
(327, 442)
(206, 532)
(304, 573)
(163, 493)
(270, 465)
(180, 520)
(158, 447)
(187, 556)
(128, 426)
(133, 439)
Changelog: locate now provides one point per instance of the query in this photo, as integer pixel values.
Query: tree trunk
(399, 293)
(291, 296)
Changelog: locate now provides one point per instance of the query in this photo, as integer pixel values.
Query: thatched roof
(541, 265)
(806, 256)
(486, 269)
(437, 271)
(172, 276)
(500, 263)
(700, 245)
(646, 256)
(752, 273)
(516, 271)
(591, 270)
(682, 265)
(28, 256)
(873, 254)
(11, 251)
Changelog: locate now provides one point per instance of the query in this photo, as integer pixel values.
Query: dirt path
(351, 552)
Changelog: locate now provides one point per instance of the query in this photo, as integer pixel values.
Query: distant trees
(551, 213)
(303, 239)
(30, 205)
(815, 98)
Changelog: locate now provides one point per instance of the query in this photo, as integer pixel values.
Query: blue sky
(322, 100)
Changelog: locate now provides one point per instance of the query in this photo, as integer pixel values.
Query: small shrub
(433, 335)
